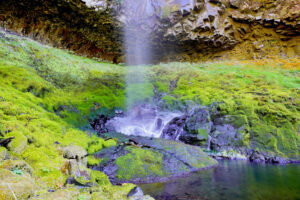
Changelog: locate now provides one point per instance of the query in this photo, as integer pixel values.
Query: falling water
(140, 18)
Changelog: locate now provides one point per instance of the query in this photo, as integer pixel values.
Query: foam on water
(145, 121)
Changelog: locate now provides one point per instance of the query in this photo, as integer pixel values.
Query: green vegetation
(139, 163)
(69, 85)
(47, 97)
(264, 96)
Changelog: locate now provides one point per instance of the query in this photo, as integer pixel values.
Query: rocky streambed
(180, 140)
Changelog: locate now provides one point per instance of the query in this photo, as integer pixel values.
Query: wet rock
(277, 160)
(174, 128)
(99, 124)
(226, 136)
(158, 124)
(193, 128)
(197, 127)
(136, 193)
(257, 158)
(73, 181)
(205, 127)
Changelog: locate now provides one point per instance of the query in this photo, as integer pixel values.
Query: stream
(232, 180)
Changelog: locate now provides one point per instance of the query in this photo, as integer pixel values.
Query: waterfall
(140, 19)
(208, 143)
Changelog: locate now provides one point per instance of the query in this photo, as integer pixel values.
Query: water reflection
(233, 180)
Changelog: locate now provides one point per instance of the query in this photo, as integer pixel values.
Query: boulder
(257, 157)
(18, 144)
(143, 160)
(192, 128)
(75, 152)
(99, 124)
(136, 194)
(14, 186)
(76, 169)
(17, 164)
(174, 129)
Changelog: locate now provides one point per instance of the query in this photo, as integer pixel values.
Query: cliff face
(182, 30)
(208, 29)
(68, 24)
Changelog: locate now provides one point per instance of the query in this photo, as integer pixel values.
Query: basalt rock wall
(181, 30)
(67, 24)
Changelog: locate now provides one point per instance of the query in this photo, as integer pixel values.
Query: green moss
(169, 99)
(56, 77)
(46, 95)
(46, 162)
(19, 144)
(93, 161)
(95, 145)
(109, 143)
(3, 153)
(250, 97)
(203, 134)
(139, 163)
(99, 177)
(113, 192)
(162, 87)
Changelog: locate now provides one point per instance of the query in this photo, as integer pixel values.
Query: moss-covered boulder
(17, 165)
(75, 152)
(20, 186)
(18, 144)
(139, 159)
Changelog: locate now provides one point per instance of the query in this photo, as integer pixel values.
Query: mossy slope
(47, 98)
(260, 96)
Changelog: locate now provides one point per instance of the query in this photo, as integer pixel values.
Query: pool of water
(232, 180)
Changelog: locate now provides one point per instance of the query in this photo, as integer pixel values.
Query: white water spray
(144, 120)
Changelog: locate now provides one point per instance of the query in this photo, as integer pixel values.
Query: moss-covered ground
(263, 95)
(47, 98)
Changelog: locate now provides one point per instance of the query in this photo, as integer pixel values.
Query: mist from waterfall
(140, 19)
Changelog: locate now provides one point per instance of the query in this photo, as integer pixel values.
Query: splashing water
(144, 120)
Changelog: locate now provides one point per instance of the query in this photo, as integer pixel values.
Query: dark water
(233, 180)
